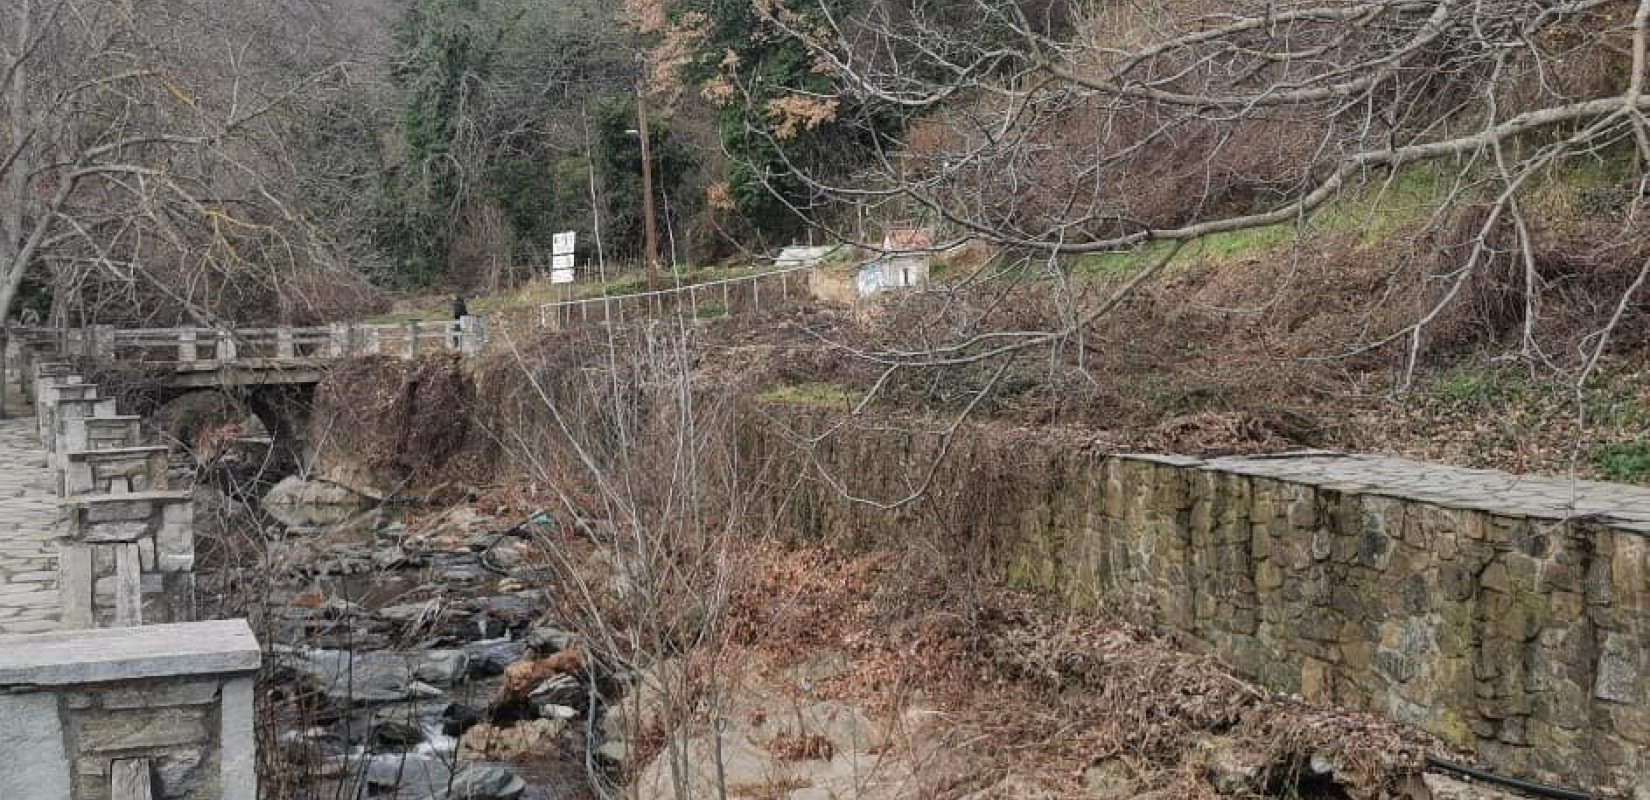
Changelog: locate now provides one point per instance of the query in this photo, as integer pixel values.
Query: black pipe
(1557, 792)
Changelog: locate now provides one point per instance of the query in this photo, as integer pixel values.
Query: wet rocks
(376, 677)
(490, 657)
(441, 667)
(560, 691)
(485, 782)
(548, 640)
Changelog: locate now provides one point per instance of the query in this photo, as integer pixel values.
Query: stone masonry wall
(1522, 638)
(170, 706)
(1506, 614)
(175, 723)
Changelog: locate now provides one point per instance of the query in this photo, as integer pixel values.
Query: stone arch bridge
(272, 372)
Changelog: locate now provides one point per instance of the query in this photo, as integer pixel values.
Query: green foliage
(765, 155)
(1473, 387)
(489, 125)
(619, 170)
(1627, 462)
(445, 47)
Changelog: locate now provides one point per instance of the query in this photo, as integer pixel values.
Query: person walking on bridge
(460, 308)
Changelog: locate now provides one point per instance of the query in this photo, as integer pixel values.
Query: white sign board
(561, 259)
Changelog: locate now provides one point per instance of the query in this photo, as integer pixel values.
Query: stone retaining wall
(1508, 615)
(170, 706)
(1517, 633)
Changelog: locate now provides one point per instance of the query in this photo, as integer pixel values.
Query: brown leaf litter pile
(1040, 701)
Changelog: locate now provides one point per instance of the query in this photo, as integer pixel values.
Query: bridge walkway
(29, 514)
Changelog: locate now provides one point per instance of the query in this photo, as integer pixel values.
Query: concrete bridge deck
(29, 513)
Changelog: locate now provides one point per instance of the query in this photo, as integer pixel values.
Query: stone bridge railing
(745, 294)
(161, 712)
(133, 700)
(262, 348)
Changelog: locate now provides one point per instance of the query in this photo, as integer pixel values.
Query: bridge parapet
(128, 557)
(207, 349)
(163, 712)
(114, 708)
(114, 471)
(81, 434)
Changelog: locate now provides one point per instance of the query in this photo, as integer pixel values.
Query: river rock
(414, 775)
(442, 667)
(295, 491)
(408, 612)
(395, 727)
(489, 658)
(561, 690)
(523, 740)
(458, 718)
(549, 639)
(485, 782)
(379, 677)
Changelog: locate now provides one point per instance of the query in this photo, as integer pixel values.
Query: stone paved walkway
(1620, 505)
(28, 528)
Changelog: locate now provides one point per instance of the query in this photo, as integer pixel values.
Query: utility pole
(650, 230)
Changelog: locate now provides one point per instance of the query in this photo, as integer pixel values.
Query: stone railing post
(226, 350)
(142, 533)
(374, 340)
(284, 348)
(187, 350)
(409, 344)
(97, 713)
(80, 405)
(472, 336)
(337, 340)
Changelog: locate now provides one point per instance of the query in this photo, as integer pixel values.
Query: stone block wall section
(168, 708)
(126, 550)
(1509, 616)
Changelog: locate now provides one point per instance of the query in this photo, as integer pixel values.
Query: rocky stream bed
(416, 664)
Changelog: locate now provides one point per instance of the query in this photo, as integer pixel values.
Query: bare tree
(1058, 129)
(136, 160)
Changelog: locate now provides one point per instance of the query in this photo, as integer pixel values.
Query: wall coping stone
(1556, 499)
(67, 658)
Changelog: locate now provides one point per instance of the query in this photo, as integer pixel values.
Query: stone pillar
(132, 536)
(338, 340)
(103, 343)
(472, 336)
(85, 708)
(187, 347)
(284, 348)
(409, 343)
(227, 350)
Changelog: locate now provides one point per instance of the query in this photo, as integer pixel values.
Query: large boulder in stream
(297, 503)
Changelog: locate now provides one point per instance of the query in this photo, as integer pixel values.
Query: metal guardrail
(731, 291)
